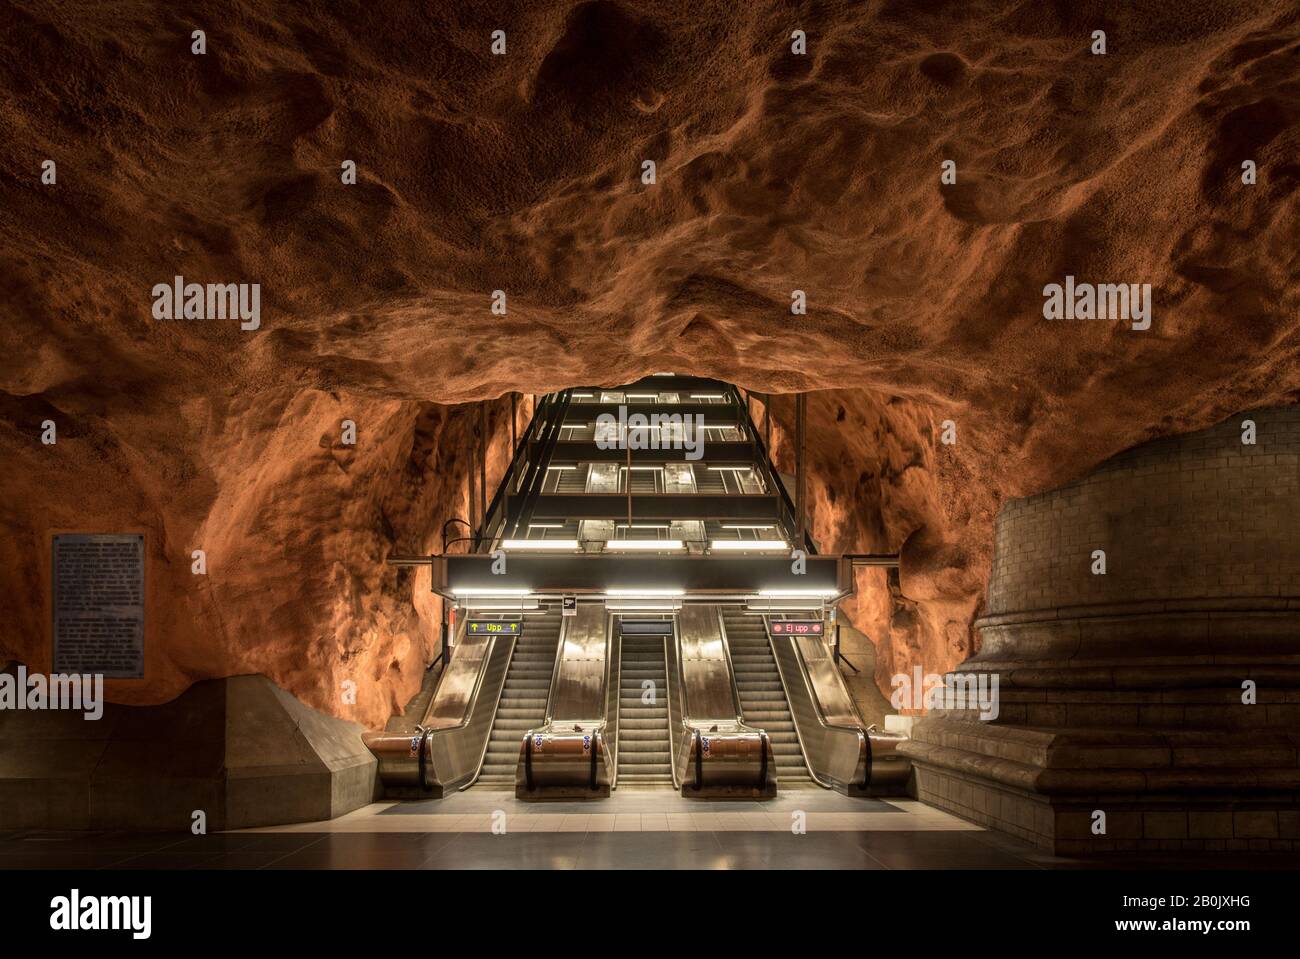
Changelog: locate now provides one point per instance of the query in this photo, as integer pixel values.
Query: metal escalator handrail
(818, 713)
(812, 697)
(496, 707)
(423, 764)
(766, 741)
(613, 695)
(699, 759)
(821, 715)
(528, 761)
(731, 667)
(691, 735)
(670, 677)
(549, 714)
(585, 717)
(448, 722)
(470, 701)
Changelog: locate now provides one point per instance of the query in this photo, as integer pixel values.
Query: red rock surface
(521, 173)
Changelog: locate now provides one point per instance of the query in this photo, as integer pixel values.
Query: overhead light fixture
(746, 526)
(547, 526)
(539, 544)
(798, 592)
(496, 591)
(652, 545)
(765, 606)
(561, 468)
(733, 469)
(752, 545)
(645, 592)
(707, 396)
(633, 606)
(518, 605)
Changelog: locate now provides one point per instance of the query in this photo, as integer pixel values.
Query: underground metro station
(641, 604)
(622, 435)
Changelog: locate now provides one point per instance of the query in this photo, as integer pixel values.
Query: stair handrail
(809, 689)
(770, 471)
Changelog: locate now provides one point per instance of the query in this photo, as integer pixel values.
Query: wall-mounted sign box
(494, 627)
(796, 627)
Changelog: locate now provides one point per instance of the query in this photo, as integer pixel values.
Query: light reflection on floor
(639, 810)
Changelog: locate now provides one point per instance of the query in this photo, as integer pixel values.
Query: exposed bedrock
(522, 173)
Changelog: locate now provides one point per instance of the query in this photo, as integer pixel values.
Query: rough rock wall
(775, 172)
(295, 526)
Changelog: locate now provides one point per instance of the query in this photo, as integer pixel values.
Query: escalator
(762, 695)
(523, 701)
(643, 746)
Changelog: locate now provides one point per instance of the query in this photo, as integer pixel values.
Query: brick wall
(1200, 516)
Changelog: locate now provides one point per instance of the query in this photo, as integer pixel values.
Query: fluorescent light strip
(725, 526)
(490, 591)
(749, 544)
(616, 606)
(525, 544)
(684, 425)
(561, 467)
(645, 592)
(659, 545)
(561, 526)
(707, 396)
(498, 604)
(733, 469)
(798, 592)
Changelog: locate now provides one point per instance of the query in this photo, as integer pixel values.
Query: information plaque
(98, 604)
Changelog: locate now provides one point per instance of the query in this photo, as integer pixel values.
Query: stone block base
(240, 750)
(1045, 787)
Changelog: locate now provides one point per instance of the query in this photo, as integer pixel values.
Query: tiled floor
(650, 829)
(633, 810)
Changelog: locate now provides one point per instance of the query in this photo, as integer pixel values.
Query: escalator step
(763, 701)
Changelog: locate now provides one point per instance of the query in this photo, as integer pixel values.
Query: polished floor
(646, 829)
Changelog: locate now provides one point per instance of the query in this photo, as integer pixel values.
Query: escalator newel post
(699, 761)
(425, 785)
(866, 777)
(528, 762)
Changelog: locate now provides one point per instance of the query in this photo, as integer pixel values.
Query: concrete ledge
(1135, 822)
(241, 750)
(1161, 790)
